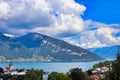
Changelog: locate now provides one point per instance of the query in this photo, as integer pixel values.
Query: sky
(85, 23)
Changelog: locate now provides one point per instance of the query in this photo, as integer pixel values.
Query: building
(96, 77)
(9, 68)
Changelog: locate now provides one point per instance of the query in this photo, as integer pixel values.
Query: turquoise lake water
(51, 66)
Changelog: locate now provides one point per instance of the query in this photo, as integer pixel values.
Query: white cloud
(66, 7)
(4, 10)
(98, 35)
(51, 17)
(89, 24)
(65, 25)
(71, 41)
(98, 38)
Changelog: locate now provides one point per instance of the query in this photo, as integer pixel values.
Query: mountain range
(109, 52)
(39, 47)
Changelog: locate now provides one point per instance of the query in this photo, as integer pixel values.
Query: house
(96, 77)
(9, 68)
(100, 70)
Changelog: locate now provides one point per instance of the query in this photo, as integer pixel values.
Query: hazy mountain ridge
(38, 47)
(106, 52)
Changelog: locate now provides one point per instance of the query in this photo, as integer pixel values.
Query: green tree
(114, 74)
(89, 72)
(1, 71)
(116, 69)
(58, 76)
(7, 77)
(102, 64)
(34, 75)
(76, 74)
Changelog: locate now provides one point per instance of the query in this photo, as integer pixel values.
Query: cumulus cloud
(25, 13)
(98, 35)
(89, 24)
(66, 7)
(98, 38)
(4, 10)
(51, 17)
(65, 25)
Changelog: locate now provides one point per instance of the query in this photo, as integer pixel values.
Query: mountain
(106, 52)
(39, 47)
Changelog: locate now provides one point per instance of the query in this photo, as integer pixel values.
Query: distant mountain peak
(34, 35)
(9, 35)
(108, 52)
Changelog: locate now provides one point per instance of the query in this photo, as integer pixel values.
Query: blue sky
(85, 23)
(106, 11)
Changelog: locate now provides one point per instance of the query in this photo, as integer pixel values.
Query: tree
(34, 75)
(114, 74)
(76, 74)
(102, 64)
(1, 70)
(116, 69)
(7, 77)
(58, 76)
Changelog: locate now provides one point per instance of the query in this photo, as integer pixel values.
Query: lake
(51, 66)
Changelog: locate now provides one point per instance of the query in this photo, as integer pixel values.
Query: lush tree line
(107, 64)
(73, 74)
